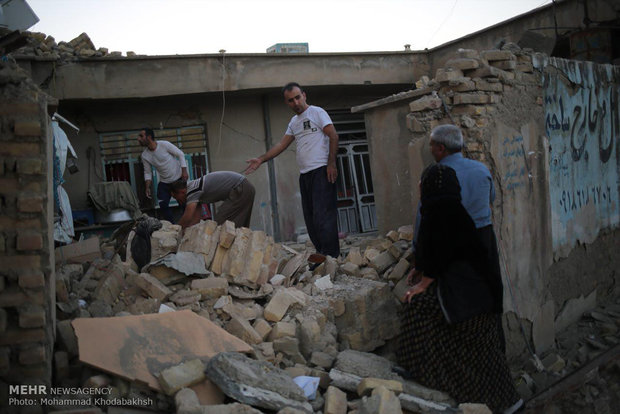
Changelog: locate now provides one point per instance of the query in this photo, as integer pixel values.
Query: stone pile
(263, 292)
(45, 46)
(466, 92)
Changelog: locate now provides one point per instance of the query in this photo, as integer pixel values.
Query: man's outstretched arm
(254, 163)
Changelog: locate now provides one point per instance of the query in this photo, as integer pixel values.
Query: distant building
(289, 48)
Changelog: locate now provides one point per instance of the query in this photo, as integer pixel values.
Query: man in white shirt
(317, 146)
(169, 161)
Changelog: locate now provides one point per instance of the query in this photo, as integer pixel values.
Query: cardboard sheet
(137, 347)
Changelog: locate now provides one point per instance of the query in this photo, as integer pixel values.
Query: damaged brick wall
(503, 105)
(26, 239)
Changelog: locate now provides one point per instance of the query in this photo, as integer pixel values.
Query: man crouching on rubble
(236, 192)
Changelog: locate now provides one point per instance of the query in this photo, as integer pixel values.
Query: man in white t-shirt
(317, 146)
(169, 161)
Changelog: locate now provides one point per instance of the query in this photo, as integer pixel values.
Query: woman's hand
(412, 277)
(418, 288)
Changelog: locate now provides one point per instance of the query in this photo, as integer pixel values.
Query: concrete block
(350, 269)
(211, 287)
(425, 103)
(262, 327)
(405, 232)
(355, 256)
(242, 329)
(277, 280)
(369, 273)
(367, 385)
(370, 253)
(504, 64)
(485, 86)
(399, 270)
(235, 261)
(382, 401)
(381, 262)
(494, 55)
(186, 399)
(462, 63)
(220, 257)
(227, 234)
(324, 283)
(392, 235)
(280, 302)
(289, 346)
(463, 85)
(201, 238)
(335, 401)
(250, 265)
(526, 67)
(322, 359)
(185, 297)
(447, 75)
(152, 286)
(282, 329)
(181, 376)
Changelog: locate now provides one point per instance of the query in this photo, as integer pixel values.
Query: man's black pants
(318, 200)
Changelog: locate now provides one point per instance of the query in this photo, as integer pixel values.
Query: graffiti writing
(514, 153)
(582, 122)
(576, 199)
(594, 116)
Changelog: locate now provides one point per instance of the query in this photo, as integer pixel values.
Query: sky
(169, 27)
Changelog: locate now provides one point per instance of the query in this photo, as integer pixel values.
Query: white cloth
(167, 160)
(63, 229)
(62, 144)
(312, 143)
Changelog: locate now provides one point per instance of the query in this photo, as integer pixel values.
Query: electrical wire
(442, 23)
(219, 140)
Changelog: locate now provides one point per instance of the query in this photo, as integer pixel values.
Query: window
(356, 199)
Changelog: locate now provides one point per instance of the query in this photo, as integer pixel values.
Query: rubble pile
(45, 46)
(296, 320)
(308, 330)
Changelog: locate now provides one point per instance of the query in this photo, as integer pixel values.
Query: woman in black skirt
(449, 334)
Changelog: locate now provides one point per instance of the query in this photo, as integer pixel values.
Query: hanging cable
(219, 140)
(428, 43)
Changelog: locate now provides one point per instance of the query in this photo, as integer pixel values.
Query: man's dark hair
(289, 87)
(179, 184)
(148, 132)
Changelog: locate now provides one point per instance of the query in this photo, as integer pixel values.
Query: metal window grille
(356, 199)
(120, 156)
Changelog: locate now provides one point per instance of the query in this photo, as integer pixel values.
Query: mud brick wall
(26, 238)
